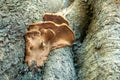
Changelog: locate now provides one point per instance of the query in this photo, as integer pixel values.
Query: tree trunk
(60, 65)
(93, 56)
(99, 56)
(14, 17)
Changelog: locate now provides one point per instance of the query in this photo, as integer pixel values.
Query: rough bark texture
(14, 17)
(60, 65)
(95, 58)
(78, 17)
(99, 56)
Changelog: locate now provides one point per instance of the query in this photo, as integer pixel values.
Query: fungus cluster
(43, 37)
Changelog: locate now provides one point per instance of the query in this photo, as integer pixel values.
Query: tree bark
(99, 56)
(14, 17)
(60, 65)
(93, 56)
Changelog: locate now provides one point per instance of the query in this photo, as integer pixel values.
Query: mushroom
(45, 25)
(38, 46)
(64, 37)
(43, 37)
(63, 32)
(59, 19)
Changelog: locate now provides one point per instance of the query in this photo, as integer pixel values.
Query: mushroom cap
(59, 19)
(42, 37)
(40, 25)
(62, 31)
(38, 46)
(64, 37)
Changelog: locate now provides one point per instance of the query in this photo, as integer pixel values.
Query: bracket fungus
(43, 37)
(59, 19)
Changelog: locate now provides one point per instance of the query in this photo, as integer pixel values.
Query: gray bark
(60, 65)
(14, 17)
(99, 56)
(96, 58)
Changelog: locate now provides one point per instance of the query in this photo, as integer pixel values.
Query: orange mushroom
(43, 37)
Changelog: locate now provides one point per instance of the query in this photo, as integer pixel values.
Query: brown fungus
(45, 25)
(38, 46)
(43, 37)
(59, 19)
(64, 37)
